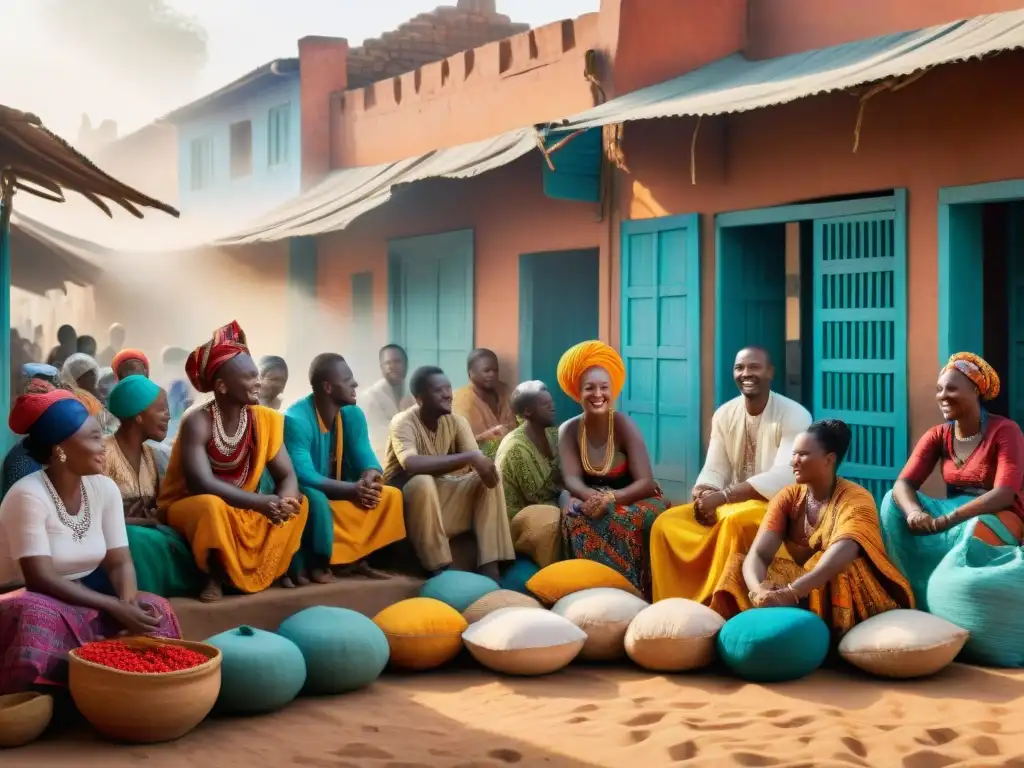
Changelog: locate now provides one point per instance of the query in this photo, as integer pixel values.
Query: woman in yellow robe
(830, 527)
(248, 511)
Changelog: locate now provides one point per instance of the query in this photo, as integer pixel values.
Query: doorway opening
(558, 307)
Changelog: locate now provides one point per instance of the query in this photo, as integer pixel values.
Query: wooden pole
(6, 198)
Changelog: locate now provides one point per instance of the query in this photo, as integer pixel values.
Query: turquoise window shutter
(860, 339)
(577, 172)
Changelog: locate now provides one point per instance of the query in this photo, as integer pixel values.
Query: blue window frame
(201, 163)
(279, 135)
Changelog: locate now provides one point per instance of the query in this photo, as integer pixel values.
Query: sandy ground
(597, 716)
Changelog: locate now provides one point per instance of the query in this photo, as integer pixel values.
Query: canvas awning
(347, 194)
(736, 84)
(43, 259)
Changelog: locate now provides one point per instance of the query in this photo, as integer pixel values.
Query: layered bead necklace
(78, 524)
(231, 453)
(609, 448)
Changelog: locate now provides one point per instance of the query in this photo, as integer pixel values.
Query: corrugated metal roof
(735, 84)
(347, 194)
(271, 70)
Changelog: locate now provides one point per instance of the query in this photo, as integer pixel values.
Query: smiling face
(752, 371)
(84, 451)
(956, 395)
(596, 391)
(438, 395)
(239, 380)
(155, 419)
(542, 411)
(810, 462)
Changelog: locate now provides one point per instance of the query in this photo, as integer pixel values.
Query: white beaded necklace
(80, 523)
(225, 443)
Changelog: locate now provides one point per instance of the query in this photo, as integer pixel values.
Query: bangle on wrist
(725, 495)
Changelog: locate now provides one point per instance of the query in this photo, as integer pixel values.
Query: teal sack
(976, 586)
(163, 561)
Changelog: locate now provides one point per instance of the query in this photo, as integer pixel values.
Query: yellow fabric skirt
(254, 551)
(689, 559)
(359, 532)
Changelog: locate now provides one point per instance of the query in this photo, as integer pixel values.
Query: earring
(61, 456)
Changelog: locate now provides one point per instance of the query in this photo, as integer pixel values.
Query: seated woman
(163, 558)
(613, 499)
(982, 461)
(829, 527)
(62, 535)
(351, 513)
(230, 488)
(527, 461)
(484, 402)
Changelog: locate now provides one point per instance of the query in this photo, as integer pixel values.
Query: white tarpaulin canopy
(347, 194)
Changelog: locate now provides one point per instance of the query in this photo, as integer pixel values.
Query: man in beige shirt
(427, 444)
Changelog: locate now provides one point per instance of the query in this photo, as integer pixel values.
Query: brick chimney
(323, 69)
(488, 7)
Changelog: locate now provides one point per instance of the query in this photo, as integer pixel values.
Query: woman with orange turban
(981, 457)
(611, 499)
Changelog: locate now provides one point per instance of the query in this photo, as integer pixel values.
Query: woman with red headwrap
(230, 487)
(611, 498)
(63, 538)
(981, 457)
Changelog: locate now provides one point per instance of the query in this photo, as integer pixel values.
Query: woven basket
(144, 708)
(24, 717)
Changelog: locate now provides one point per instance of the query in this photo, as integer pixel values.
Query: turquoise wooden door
(431, 290)
(558, 307)
(362, 345)
(750, 303)
(1015, 301)
(660, 338)
(860, 339)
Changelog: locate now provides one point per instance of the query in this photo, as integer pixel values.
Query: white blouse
(30, 527)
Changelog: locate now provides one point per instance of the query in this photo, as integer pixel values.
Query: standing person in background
(180, 394)
(484, 402)
(116, 336)
(36, 350)
(273, 380)
(386, 397)
(87, 346)
(130, 362)
(67, 345)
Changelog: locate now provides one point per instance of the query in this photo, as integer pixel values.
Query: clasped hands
(923, 524)
(706, 501)
(595, 506)
(279, 510)
(771, 595)
(368, 489)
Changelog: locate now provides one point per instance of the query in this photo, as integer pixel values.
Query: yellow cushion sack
(422, 633)
(556, 581)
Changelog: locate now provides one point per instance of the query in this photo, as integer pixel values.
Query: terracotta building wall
(955, 126)
(509, 215)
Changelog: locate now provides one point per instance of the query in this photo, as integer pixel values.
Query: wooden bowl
(144, 708)
(24, 717)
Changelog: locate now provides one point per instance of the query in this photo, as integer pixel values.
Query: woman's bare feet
(212, 592)
(285, 582)
(322, 576)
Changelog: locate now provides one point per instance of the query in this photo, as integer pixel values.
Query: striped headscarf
(981, 374)
(228, 342)
(581, 358)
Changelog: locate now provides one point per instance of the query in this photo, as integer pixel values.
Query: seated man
(484, 402)
(428, 443)
(350, 513)
(747, 464)
(386, 397)
(230, 488)
(273, 380)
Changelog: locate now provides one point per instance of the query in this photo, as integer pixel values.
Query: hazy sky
(61, 84)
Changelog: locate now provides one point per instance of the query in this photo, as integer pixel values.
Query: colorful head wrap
(47, 419)
(131, 396)
(77, 365)
(228, 342)
(39, 371)
(579, 359)
(125, 355)
(981, 374)
(38, 387)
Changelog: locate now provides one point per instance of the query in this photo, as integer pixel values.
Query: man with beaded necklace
(230, 487)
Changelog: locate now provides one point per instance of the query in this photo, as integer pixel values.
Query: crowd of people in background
(128, 488)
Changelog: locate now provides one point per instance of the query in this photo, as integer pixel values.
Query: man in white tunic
(385, 398)
(748, 462)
